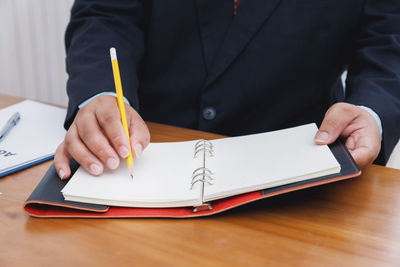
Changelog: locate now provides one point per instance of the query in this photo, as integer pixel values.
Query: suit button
(209, 113)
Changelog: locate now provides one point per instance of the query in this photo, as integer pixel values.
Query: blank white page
(259, 161)
(162, 177)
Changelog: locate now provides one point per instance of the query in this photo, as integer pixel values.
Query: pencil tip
(130, 168)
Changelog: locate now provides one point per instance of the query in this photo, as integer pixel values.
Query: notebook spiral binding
(202, 174)
(203, 145)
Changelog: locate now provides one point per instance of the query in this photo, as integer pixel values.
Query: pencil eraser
(113, 53)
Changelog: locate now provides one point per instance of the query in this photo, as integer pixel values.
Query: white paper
(162, 177)
(259, 161)
(163, 173)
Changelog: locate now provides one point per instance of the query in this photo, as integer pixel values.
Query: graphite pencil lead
(130, 168)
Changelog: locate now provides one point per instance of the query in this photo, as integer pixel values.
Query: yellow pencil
(121, 105)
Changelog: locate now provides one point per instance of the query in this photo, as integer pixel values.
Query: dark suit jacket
(276, 64)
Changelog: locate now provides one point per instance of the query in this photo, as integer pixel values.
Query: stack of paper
(163, 175)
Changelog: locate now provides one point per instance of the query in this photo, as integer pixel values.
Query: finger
(140, 135)
(363, 148)
(109, 119)
(61, 162)
(77, 149)
(362, 155)
(351, 143)
(335, 121)
(93, 138)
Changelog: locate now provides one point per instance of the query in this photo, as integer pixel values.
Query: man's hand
(97, 138)
(357, 126)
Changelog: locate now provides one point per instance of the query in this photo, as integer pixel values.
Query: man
(195, 64)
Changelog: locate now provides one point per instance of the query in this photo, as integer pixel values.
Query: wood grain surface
(349, 223)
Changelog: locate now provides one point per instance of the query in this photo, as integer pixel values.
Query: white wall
(32, 49)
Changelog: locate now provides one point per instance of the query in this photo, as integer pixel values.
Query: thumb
(336, 119)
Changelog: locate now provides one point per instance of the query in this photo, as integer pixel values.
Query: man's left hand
(357, 126)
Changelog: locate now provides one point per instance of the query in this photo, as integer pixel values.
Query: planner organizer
(197, 178)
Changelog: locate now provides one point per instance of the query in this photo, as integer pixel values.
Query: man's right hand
(96, 137)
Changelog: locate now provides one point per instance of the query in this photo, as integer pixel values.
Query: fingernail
(123, 151)
(95, 169)
(112, 163)
(61, 174)
(138, 149)
(321, 137)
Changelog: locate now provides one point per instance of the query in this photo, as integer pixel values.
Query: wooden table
(351, 223)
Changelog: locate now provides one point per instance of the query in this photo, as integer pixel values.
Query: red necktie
(236, 4)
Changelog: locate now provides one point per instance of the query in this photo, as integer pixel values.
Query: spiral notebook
(196, 173)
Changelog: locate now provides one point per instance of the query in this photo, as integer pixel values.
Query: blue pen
(14, 119)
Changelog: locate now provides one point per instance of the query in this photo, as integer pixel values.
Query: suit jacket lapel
(215, 17)
(250, 17)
